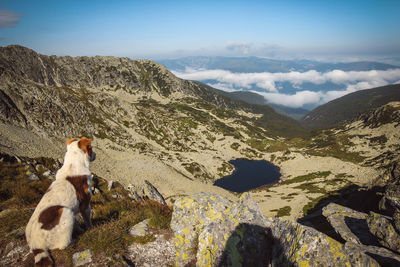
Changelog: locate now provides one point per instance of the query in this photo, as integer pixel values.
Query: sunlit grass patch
(284, 211)
(307, 177)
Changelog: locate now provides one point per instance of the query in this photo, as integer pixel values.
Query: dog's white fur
(61, 193)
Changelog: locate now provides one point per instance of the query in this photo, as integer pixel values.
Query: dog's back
(51, 224)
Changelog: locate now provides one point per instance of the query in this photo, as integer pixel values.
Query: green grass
(285, 211)
(310, 205)
(259, 144)
(311, 188)
(307, 177)
(112, 217)
(278, 146)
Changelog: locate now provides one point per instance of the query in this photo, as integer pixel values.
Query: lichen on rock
(210, 229)
(299, 245)
(381, 227)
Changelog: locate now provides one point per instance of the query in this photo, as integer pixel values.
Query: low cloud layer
(350, 81)
(8, 19)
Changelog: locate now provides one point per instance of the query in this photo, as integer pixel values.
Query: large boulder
(351, 225)
(145, 191)
(383, 256)
(366, 233)
(381, 227)
(299, 245)
(211, 231)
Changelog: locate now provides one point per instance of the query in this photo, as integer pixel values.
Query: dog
(52, 223)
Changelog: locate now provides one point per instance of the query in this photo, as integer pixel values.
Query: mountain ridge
(347, 108)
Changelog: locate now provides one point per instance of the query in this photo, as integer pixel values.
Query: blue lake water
(249, 174)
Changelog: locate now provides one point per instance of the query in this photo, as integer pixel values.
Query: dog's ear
(70, 141)
(85, 145)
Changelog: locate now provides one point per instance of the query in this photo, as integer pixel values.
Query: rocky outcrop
(146, 191)
(388, 113)
(209, 230)
(299, 245)
(349, 224)
(382, 228)
(373, 233)
(214, 231)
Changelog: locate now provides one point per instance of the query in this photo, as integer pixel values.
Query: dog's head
(81, 147)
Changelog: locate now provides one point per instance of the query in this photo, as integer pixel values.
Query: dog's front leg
(86, 217)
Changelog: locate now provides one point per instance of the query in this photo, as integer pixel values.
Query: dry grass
(113, 214)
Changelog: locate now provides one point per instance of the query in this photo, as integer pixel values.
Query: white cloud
(299, 99)
(351, 80)
(8, 19)
(223, 86)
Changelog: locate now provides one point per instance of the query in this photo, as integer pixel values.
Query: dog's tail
(42, 258)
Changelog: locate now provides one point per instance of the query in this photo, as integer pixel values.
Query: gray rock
(134, 193)
(13, 252)
(140, 229)
(299, 245)
(381, 227)
(351, 225)
(160, 252)
(222, 232)
(212, 231)
(151, 192)
(147, 191)
(82, 258)
(383, 256)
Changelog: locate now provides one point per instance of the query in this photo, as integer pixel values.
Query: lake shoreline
(250, 175)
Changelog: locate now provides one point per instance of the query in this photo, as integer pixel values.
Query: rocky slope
(179, 135)
(340, 160)
(203, 230)
(146, 123)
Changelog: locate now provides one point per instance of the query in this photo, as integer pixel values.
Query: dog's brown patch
(44, 262)
(86, 146)
(37, 251)
(70, 141)
(50, 217)
(82, 190)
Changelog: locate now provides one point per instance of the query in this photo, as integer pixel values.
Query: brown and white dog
(52, 222)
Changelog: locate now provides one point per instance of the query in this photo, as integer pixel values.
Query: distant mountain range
(257, 64)
(349, 107)
(284, 84)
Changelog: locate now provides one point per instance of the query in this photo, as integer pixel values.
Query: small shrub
(285, 211)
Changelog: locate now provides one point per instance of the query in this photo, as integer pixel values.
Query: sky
(324, 29)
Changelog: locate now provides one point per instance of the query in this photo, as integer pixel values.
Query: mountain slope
(145, 122)
(348, 107)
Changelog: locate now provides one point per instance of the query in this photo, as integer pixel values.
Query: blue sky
(163, 29)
